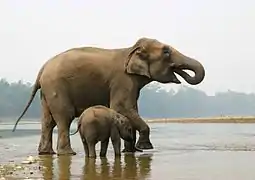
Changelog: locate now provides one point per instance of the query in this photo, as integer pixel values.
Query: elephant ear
(136, 62)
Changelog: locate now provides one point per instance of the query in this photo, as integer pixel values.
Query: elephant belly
(89, 96)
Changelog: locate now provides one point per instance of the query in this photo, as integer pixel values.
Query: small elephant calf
(99, 123)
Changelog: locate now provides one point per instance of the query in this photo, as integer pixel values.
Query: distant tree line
(13, 98)
(153, 102)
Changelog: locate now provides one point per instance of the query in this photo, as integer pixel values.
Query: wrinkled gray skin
(82, 77)
(99, 123)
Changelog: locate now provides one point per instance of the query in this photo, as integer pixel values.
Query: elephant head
(124, 126)
(158, 62)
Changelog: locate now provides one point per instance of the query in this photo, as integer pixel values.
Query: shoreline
(203, 120)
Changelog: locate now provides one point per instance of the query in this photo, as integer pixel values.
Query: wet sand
(205, 151)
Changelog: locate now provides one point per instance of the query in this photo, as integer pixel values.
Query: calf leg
(116, 142)
(104, 146)
(130, 146)
(92, 149)
(85, 146)
(116, 146)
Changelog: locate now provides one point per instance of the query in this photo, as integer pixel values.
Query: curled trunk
(186, 63)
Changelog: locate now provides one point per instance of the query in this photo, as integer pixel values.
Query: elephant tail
(34, 90)
(79, 125)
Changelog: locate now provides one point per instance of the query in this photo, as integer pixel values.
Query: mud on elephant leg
(63, 143)
(45, 146)
(47, 126)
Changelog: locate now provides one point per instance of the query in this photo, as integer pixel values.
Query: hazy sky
(219, 33)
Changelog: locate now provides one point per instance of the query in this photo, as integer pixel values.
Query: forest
(154, 102)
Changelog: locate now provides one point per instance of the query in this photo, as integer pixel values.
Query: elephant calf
(99, 123)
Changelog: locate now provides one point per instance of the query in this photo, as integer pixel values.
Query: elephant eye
(166, 51)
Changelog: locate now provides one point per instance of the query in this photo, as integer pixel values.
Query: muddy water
(182, 151)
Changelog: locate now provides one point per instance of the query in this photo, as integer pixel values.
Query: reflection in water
(132, 168)
(46, 164)
(144, 162)
(63, 167)
(128, 166)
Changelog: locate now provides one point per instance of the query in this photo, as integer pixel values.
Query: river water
(181, 151)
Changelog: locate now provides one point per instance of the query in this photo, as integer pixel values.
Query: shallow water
(181, 151)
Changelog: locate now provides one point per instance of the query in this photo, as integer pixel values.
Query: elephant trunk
(182, 62)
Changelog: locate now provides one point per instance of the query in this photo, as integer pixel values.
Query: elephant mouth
(187, 77)
(175, 79)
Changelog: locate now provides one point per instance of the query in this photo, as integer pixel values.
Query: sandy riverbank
(223, 119)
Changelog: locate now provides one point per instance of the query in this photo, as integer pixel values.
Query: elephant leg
(142, 143)
(130, 146)
(129, 109)
(144, 131)
(116, 141)
(63, 113)
(64, 145)
(116, 146)
(47, 126)
(92, 149)
(104, 146)
(144, 137)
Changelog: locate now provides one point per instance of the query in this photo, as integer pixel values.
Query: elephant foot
(127, 150)
(45, 151)
(66, 152)
(92, 157)
(131, 150)
(144, 145)
(138, 150)
(102, 155)
(117, 155)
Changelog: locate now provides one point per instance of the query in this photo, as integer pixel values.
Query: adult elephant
(82, 77)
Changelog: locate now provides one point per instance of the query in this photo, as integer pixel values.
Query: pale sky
(219, 33)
